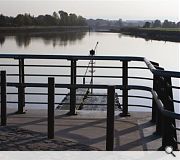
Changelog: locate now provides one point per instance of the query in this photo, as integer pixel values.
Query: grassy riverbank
(164, 34)
(30, 29)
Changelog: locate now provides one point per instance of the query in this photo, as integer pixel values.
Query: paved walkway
(85, 131)
(17, 139)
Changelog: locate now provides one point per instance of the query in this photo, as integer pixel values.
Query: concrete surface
(134, 133)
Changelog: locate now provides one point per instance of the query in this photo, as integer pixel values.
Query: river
(79, 43)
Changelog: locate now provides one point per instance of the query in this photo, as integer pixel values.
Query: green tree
(157, 23)
(63, 18)
(147, 25)
(56, 18)
(73, 19)
(19, 20)
(81, 21)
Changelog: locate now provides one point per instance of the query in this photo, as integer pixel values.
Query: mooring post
(3, 99)
(21, 88)
(73, 89)
(125, 89)
(110, 118)
(51, 98)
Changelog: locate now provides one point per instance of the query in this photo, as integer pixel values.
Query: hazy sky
(125, 9)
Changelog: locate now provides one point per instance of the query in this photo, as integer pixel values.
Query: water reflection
(63, 39)
(2, 40)
(23, 40)
(54, 39)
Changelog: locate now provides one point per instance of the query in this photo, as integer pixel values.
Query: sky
(106, 9)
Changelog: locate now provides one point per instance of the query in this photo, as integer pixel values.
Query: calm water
(165, 53)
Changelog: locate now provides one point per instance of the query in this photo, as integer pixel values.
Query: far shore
(161, 34)
(29, 29)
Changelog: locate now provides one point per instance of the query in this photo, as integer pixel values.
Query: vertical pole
(21, 89)
(92, 75)
(125, 89)
(159, 116)
(169, 134)
(155, 86)
(51, 90)
(156, 114)
(73, 89)
(3, 99)
(154, 106)
(84, 80)
(110, 119)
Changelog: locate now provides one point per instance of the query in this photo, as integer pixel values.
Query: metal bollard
(21, 89)
(51, 98)
(3, 99)
(73, 89)
(125, 90)
(110, 119)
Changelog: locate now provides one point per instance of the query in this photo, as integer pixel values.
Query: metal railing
(163, 114)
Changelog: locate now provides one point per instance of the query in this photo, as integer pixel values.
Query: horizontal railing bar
(55, 66)
(140, 97)
(63, 94)
(114, 58)
(161, 108)
(145, 88)
(82, 86)
(12, 102)
(57, 103)
(143, 106)
(176, 101)
(141, 78)
(46, 75)
(39, 75)
(71, 57)
(45, 65)
(158, 72)
(9, 65)
(177, 142)
(88, 104)
(178, 129)
(175, 87)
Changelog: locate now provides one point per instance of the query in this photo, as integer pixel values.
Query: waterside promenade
(85, 131)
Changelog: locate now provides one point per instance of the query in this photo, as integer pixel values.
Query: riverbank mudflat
(172, 35)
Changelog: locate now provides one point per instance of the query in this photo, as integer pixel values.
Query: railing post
(169, 135)
(110, 118)
(73, 89)
(154, 105)
(21, 89)
(159, 116)
(156, 114)
(155, 87)
(3, 99)
(125, 89)
(51, 97)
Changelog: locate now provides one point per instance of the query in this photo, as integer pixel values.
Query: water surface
(79, 43)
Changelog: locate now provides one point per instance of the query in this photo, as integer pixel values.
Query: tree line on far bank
(56, 19)
(158, 24)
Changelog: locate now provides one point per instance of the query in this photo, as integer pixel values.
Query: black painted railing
(163, 113)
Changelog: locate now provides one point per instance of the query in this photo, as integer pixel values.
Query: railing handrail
(162, 85)
(71, 57)
(155, 71)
